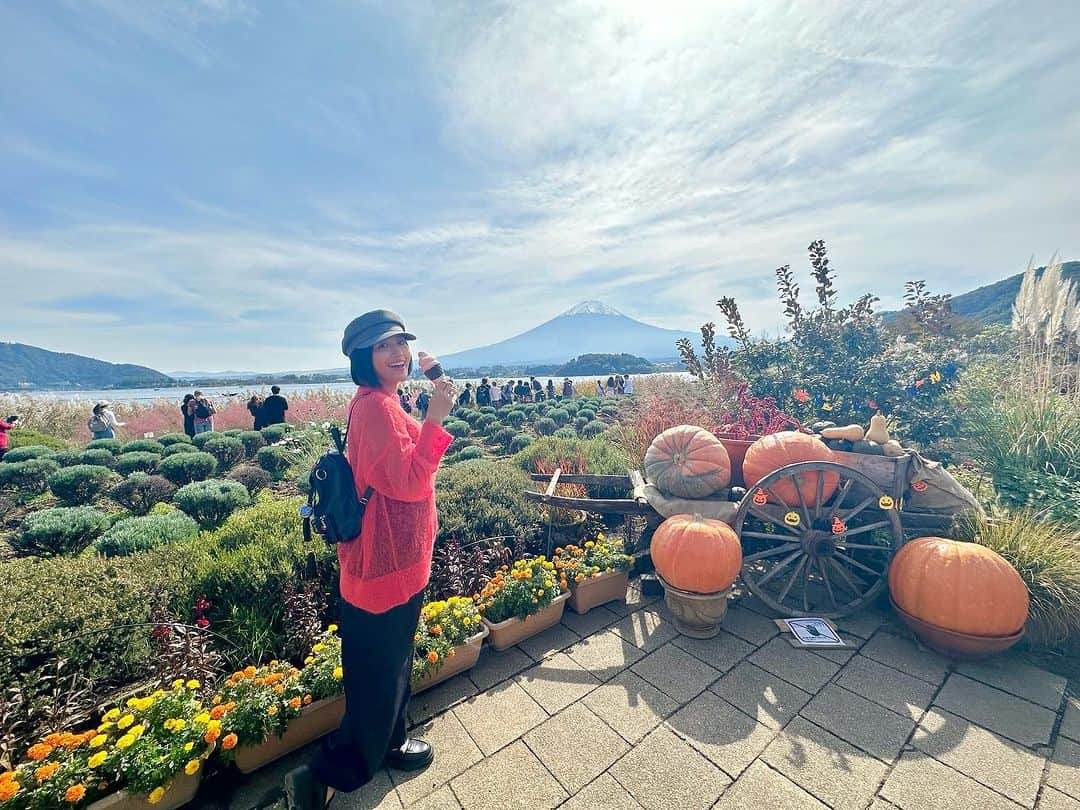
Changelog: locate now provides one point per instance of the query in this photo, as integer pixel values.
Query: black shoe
(304, 792)
(414, 755)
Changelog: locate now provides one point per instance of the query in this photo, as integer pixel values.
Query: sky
(223, 184)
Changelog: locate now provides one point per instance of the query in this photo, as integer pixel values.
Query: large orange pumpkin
(687, 462)
(963, 587)
(696, 554)
(769, 453)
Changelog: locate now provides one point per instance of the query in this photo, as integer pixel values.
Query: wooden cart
(817, 537)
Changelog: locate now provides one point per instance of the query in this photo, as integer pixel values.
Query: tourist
(550, 390)
(422, 400)
(522, 391)
(609, 389)
(628, 386)
(404, 400)
(254, 406)
(537, 389)
(188, 412)
(204, 413)
(274, 407)
(385, 570)
(5, 426)
(567, 389)
(102, 422)
(465, 399)
(599, 388)
(496, 394)
(483, 393)
(618, 384)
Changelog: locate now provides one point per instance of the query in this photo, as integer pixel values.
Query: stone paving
(615, 709)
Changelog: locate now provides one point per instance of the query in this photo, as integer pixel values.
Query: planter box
(316, 720)
(182, 791)
(589, 593)
(507, 633)
(465, 657)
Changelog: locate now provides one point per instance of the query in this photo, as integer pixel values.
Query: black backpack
(333, 510)
(202, 411)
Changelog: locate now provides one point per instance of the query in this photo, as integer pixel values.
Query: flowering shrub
(519, 591)
(322, 673)
(600, 556)
(443, 625)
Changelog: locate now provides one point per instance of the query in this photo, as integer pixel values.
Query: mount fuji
(591, 327)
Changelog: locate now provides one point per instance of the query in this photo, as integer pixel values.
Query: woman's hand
(442, 399)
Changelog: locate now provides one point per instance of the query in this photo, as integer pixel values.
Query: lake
(177, 393)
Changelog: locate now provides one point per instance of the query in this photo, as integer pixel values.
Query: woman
(254, 407)
(383, 571)
(188, 410)
(609, 389)
(102, 422)
(599, 388)
(5, 426)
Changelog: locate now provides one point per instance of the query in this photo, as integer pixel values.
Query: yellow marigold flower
(39, 752)
(131, 702)
(332, 628)
(188, 747)
(192, 767)
(125, 742)
(45, 771)
(136, 731)
(98, 741)
(272, 711)
(125, 721)
(216, 700)
(97, 759)
(104, 727)
(74, 793)
(339, 673)
(319, 647)
(155, 795)
(177, 683)
(193, 684)
(112, 715)
(158, 694)
(309, 660)
(202, 717)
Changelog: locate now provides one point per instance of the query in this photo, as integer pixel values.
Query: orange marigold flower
(295, 703)
(280, 689)
(435, 630)
(307, 700)
(579, 578)
(432, 657)
(8, 789)
(249, 671)
(211, 735)
(45, 771)
(75, 793)
(39, 752)
(272, 711)
(53, 739)
(217, 712)
(229, 742)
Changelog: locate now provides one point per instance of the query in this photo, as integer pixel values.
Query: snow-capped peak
(592, 308)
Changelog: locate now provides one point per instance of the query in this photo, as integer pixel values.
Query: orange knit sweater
(390, 562)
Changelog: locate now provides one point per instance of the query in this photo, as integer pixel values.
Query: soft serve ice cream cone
(430, 366)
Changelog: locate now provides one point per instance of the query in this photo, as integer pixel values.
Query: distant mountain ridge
(26, 367)
(591, 327)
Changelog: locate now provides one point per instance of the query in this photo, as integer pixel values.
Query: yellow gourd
(852, 433)
(879, 431)
(892, 448)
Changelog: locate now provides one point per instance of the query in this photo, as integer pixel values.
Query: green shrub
(143, 446)
(66, 458)
(560, 415)
(586, 413)
(210, 502)
(80, 484)
(127, 463)
(485, 422)
(503, 436)
(478, 499)
(180, 447)
(228, 450)
(184, 468)
(593, 429)
(21, 437)
(139, 492)
(469, 453)
(232, 432)
(65, 530)
(98, 457)
(580, 422)
(487, 409)
(253, 478)
(571, 407)
(253, 441)
(457, 445)
(170, 439)
(27, 453)
(457, 428)
(565, 433)
(514, 418)
(520, 442)
(274, 433)
(274, 460)
(545, 426)
(467, 415)
(199, 439)
(112, 445)
(30, 476)
(134, 534)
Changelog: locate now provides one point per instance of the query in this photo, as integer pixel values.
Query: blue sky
(210, 184)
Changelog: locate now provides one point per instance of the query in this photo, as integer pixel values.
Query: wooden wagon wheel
(822, 556)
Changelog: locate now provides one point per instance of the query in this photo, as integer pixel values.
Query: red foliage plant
(751, 416)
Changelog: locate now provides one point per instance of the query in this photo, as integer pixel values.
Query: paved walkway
(615, 709)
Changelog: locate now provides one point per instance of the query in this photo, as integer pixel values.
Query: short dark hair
(362, 369)
(275, 389)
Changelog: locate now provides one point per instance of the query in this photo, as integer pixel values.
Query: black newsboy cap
(370, 328)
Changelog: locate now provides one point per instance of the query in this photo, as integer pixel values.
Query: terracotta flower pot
(180, 792)
(697, 615)
(589, 593)
(513, 631)
(316, 720)
(736, 450)
(465, 657)
(952, 644)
